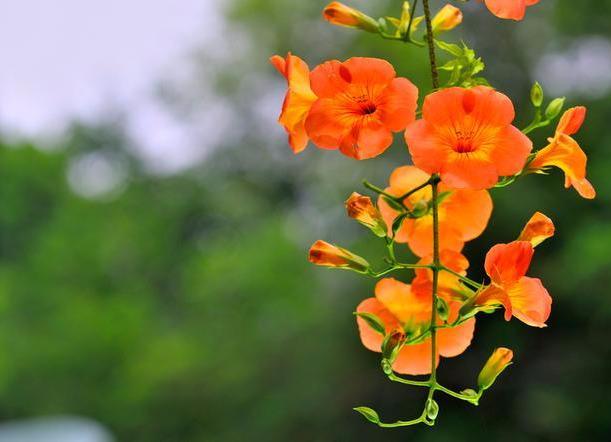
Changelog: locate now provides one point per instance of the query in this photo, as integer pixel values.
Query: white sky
(65, 58)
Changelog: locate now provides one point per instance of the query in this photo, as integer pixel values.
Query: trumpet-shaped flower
(463, 214)
(523, 297)
(511, 9)
(399, 308)
(298, 99)
(467, 137)
(564, 152)
(361, 103)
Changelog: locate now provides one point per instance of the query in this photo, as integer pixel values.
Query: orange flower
(463, 214)
(523, 297)
(400, 308)
(360, 104)
(324, 254)
(467, 137)
(362, 209)
(446, 19)
(298, 100)
(564, 152)
(511, 9)
(496, 363)
(537, 229)
(339, 14)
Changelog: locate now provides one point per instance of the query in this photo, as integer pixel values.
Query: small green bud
(442, 309)
(536, 95)
(554, 108)
(386, 366)
(392, 344)
(420, 209)
(369, 414)
(432, 409)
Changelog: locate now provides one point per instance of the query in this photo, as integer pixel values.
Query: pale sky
(61, 59)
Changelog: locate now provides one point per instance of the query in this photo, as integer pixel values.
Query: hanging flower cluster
(462, 143)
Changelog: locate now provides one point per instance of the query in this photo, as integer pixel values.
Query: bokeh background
(154, 225)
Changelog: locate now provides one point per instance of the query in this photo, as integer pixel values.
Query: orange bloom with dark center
(523, 297)
(463, 214)
(298, 100)
(361, 103)
(564, 152)
(400, 308)
(467, 137)
(511, 9)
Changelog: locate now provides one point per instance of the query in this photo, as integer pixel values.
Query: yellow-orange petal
(447, 19)
(507, 263)
(493, 295)
(454, 341)
(530, 301)
(509, 9)
(399, 299)
(538, 228)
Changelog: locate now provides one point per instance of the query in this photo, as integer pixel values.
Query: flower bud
(497, 362)
(446, 19)
(392, 344)
(554, 108)
(432, 409)
(536, 95)
(538, 228)
(339, 14)
(324, 254)
(362, 209)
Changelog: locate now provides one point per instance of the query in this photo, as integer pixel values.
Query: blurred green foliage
(183, 309)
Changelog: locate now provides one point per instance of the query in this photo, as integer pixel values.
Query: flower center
(464, 142)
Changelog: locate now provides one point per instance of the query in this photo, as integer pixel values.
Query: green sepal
(373, 321)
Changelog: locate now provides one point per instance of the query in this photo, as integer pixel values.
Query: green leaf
(369, 414)
(373, 321)
(396, 225)
(393, 204)
(450, 48)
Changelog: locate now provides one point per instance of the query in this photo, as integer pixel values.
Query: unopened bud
(536, 95)
(339, 14)
(362, 209)
(446, 19)
(554, 108)
(324, 254)
(432, 409)
(497, 362)
(392, 344)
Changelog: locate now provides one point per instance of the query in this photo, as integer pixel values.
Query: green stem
(376, 189)
(431, 44)
(408, 31)
(475, 285)
(414, 190)
(393, 377)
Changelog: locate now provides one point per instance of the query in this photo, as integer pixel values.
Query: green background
(184, 309)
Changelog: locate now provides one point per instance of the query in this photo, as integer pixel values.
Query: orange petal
(464, 172)
(510, 9)
(495, 295)
(507, 263)
(454, 341)
(572, 120)
(582, 186)
(511, 151)
(371, 339)
(397, 104)
(414, 359)
(530, 301)
(368, 138)
(468, 211)
(324, 126)
(326, 79)
(398, 298)
(424, 145)
(367, 71)
(538, 228)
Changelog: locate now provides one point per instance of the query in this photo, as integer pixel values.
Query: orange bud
(362, 209)
(324, 254)
(446, 19)
(497, 362)
(339, 14)
(538, 228)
